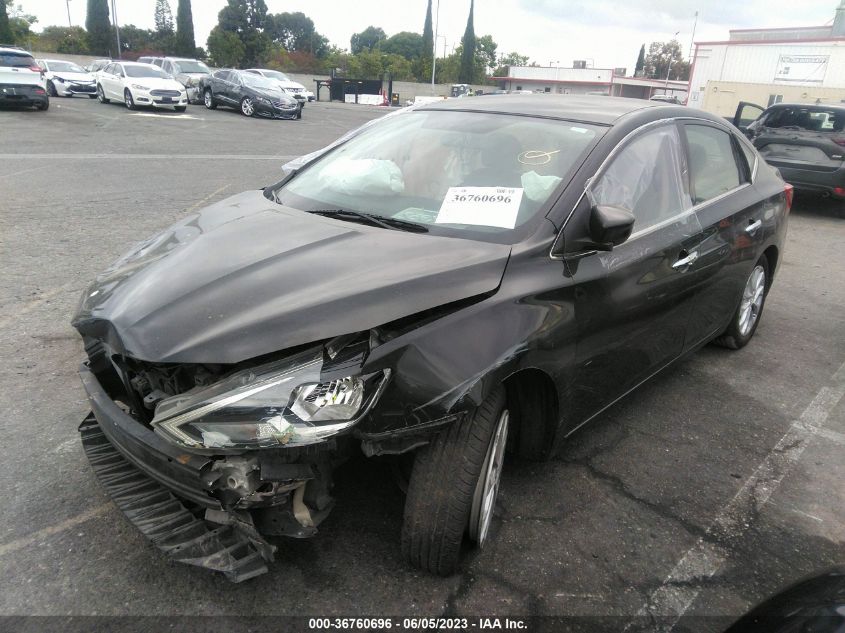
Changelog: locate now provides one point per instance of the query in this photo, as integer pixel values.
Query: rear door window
(714, 169)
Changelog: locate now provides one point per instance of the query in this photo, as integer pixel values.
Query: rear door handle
(752, 228)
(686, 261)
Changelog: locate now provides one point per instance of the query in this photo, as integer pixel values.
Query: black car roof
(811, 106)
(589, 109)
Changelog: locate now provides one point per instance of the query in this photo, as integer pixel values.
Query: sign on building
(801, 69)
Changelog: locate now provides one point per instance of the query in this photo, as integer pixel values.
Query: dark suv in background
(805, 142)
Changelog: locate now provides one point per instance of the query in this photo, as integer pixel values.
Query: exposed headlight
(262, 99)
(60, 80)
(139, 87)
(285, 403)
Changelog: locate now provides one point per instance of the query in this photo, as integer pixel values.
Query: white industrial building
(585, 81)
(766, 66)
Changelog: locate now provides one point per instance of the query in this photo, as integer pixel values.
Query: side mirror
(610, 226)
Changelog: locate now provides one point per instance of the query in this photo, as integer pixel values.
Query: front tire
(208, 100)
(453, 488)
(247, 106)
(101, 95)
(43, 106)
(51, 89)
(747, 316)
(128, 100)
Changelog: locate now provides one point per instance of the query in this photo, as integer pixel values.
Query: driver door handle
(685, 261)
(752, 228)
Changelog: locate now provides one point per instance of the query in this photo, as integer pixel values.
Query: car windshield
(257, 81)
(455, 171)
(64, 67)
(813, 119)
(16, 60)
(275, 74)
(145, 71)
(190, 66)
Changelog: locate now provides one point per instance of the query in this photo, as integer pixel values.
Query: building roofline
(781, 28)
(758, 42)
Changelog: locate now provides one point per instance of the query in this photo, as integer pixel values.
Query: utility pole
(434, 52)
(692, 39)
(69, 23)
(116, 28)
(669, 67)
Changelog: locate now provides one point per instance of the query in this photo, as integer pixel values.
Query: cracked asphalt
(711, 487)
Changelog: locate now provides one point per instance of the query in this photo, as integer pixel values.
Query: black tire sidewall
(733, 330)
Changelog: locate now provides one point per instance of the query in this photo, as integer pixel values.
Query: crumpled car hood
(247, 277)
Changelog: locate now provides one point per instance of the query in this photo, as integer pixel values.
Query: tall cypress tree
(6, 36)
(640, 62)
(428, 38)
(163, 18)
(467, 71)
(185, 42)
(98, 26)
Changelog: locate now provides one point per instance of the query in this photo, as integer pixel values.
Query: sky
(607, 33)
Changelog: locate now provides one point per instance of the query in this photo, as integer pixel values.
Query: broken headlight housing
(284, 403)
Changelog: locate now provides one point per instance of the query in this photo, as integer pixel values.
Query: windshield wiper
(372, 219)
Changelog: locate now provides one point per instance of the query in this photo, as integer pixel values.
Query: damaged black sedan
(468, 279)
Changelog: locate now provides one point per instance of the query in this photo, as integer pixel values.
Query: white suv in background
(293, 88)
(21, 79)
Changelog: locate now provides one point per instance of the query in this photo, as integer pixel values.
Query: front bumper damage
(210, 511)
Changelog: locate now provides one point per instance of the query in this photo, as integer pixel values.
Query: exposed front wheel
(51, 89)
(208, 100)
(747, 316)
(101, 95)
(128, 100)
(453, 487)
(247, 106)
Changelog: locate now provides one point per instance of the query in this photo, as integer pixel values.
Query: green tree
(5, 27)
(408, 45)
(19, 24)
(638, 69)
(163, 17)
(485, 55)
(666, 59)
(225, 47)
(245, 19)
(69, 40)
(467, 68)
(135, 40)
(506, 61)
(427, 48)
(367, 40)
(185, 41)
(98, 26)
(295, 32)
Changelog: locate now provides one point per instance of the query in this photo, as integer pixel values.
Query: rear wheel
(247, 106)
(128, 100)
(43, 106)
(453, 487)
(208, 100)
(747, 316)
(101, 95)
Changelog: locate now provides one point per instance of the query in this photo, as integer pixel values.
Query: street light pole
(116, 27)
(669, 67)
(69, 23)
(434, 47)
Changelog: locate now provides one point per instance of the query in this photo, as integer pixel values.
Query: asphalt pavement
(711, 487)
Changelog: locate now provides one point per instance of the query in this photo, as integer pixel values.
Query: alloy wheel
(130, 103)
(208, 99)
(487, 488)
(752, 300)
(247, 106)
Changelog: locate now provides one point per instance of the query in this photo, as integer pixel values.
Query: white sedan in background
(293, 88)
(65, 79)
(140, 85)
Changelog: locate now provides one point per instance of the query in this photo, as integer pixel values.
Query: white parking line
(683, 584)
(26, 541)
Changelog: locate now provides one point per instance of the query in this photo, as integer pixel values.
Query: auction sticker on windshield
(481, 206)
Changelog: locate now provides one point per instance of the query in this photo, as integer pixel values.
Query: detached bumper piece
(166, 521)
